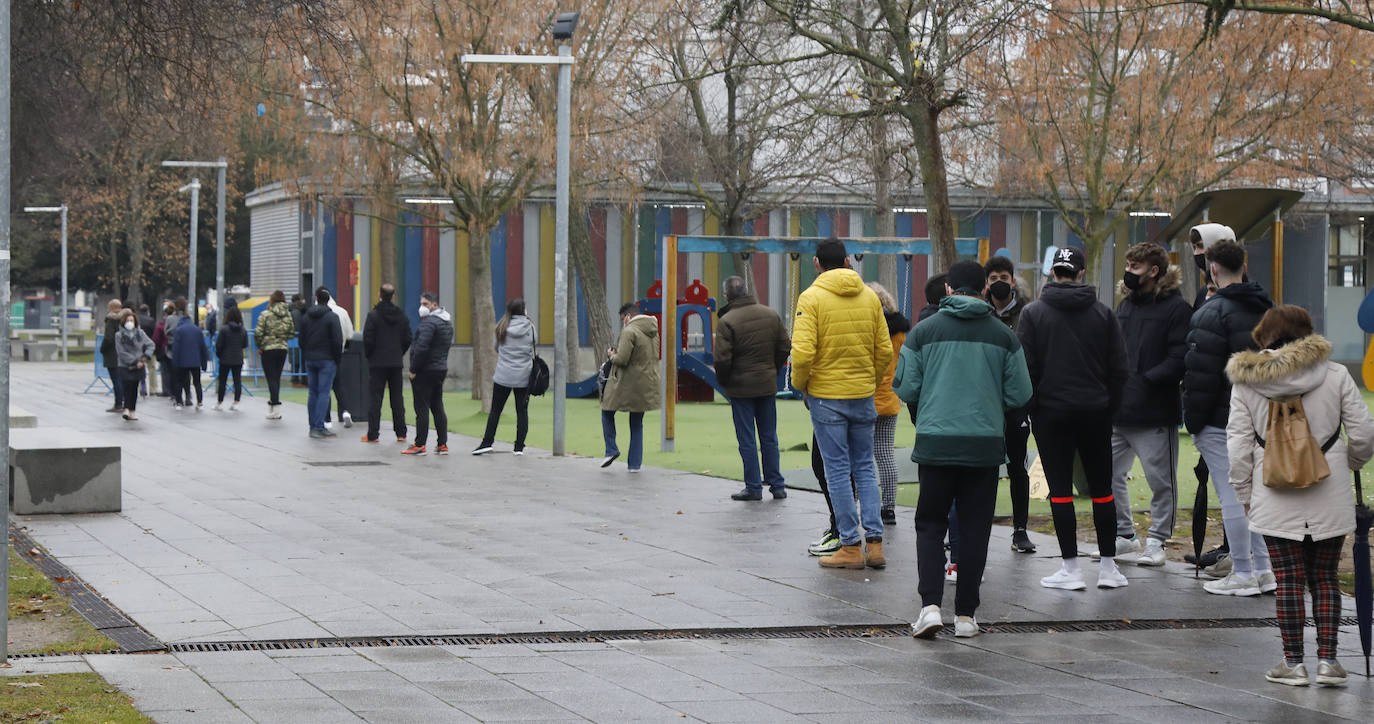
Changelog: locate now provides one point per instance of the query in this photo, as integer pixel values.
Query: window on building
(1347, 256)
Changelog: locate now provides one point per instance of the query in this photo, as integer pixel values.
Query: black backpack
(539, 377)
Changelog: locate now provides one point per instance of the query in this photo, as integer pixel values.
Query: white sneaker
(1111, 579)
(234, 407)
(1064, 580)
(329, 426)
(1234, 585)
(1267, 582)
(966, 627)
(219, 407)
(1124, 547)
(274, 412)
(951, 573)
(347, 418)
(176, 406)
(1220, 569)
(1153, 555)
(517, 452)
(928, 623)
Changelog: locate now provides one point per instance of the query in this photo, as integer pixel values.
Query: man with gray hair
(751, 347)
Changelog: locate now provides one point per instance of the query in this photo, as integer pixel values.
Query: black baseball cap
(1069, 258)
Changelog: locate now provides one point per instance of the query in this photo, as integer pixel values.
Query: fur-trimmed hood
(1293, 369)
(1172, 281)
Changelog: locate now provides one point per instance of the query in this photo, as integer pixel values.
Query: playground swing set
(698, 366)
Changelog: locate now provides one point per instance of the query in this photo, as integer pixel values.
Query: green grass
(76, 698)
(33, 597)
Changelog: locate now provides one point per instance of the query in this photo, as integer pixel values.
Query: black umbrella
(1364, 587)
(1199, 515)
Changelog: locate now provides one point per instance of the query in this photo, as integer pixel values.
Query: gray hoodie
(515, 358)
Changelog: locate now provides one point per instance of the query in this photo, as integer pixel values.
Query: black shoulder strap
(1330, 442)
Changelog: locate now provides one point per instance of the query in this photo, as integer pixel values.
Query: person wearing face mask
(134, 351)
(1154, 322)
(1220, 328)
(1004, 295)
(428, 368)
(1202, 237)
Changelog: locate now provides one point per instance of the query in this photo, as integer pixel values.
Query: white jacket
(1329, 397)
(345, 321)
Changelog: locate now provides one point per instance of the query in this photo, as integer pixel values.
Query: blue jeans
(763, 412)
(636, 437)
(844, 433)
(320, 374)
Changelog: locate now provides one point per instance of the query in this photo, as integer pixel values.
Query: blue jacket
(188, 346)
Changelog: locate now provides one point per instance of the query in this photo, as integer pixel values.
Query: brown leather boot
(845, 557)
(873, 556)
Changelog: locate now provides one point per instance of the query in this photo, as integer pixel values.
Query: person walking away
(935, 292)
(275, 329)
(961, 369)
(888, 407)
(1221, 327)
(751, 346)
(321, 348)
(514, 361)
(149, 327)
(1154, 324)
(1077, 362)
(298, 307)
(346, 334)
(428, 369)
(840, 352)
(190, 357)
(1303, 528)
(632, 385)
(109, 357)
(133, 350)
(162, 342)
(230, 344)
(386, 338)
(1004, 293)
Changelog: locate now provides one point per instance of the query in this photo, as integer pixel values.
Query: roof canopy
(1246, 211)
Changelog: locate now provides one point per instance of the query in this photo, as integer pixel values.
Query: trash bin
(353, 375)
(38, 313)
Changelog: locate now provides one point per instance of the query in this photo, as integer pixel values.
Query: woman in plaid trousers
(1303, 527)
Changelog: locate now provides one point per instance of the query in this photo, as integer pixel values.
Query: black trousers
(973, 493)
(224, 372)
(185, 377)
(499, 395)
(428, 390)
(1017, 434)
(273, 361)
(1061, 436)
(130, 380)
(380, 380)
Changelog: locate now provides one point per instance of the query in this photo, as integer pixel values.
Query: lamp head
(564, 26)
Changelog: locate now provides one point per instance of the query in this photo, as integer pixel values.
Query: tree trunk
(882, 199)
(114, 265)
(599, 329)
(135, 233)
(930, 152)
(386, 247)
(483, 314)
(744, 264)
(571, 344)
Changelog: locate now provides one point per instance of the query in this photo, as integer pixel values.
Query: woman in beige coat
(1303, 527)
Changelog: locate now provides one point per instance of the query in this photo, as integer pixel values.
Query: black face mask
(1131, 280)
(1201, 261)
(1000, 290)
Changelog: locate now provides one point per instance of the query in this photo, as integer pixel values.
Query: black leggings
(273, 360)
(499, 395)
(1061, 435)
(131, 379)
(185, 377)
(224, 372)
(1019, 479)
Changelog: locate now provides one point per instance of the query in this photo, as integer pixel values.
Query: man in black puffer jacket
(1154, 322)
(1221, 327)
(428, 369)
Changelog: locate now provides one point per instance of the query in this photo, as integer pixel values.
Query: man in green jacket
(963, 369)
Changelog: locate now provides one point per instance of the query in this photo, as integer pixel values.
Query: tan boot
(845, 557)
(873, 556)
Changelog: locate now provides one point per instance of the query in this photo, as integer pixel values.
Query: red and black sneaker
(441, 450)
(414, 450)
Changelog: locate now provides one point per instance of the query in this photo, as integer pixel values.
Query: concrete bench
(42, 351)
(21, 418)
(58, 470)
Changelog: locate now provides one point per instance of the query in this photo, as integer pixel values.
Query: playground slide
(584, 388)
(697, 367)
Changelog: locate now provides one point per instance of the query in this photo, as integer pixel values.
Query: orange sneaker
(414, 450)
(370, 439)
(441, 450)
(401, 439)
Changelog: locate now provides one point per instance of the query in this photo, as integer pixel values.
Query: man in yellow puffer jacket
(840, 350)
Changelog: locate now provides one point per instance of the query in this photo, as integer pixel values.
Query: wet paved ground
(239, 528)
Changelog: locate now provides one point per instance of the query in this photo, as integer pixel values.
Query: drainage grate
(104, 617)
(781, 632)
(346, 463)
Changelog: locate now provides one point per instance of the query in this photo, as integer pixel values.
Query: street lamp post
(63, 211)
(562, 31)
(194, 186)
(221, 165)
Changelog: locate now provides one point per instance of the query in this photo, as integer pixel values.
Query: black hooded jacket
(1074, 350)
(321, 338)
(1219, 328)
(1155, 327)
(386, 335)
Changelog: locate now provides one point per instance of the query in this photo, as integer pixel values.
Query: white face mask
(424, 311)
(129, 325)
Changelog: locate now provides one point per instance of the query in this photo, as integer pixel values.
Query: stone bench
(42, 351)
(21, 418)
(58, 470)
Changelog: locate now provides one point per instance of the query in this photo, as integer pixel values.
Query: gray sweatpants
(1157, 448)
